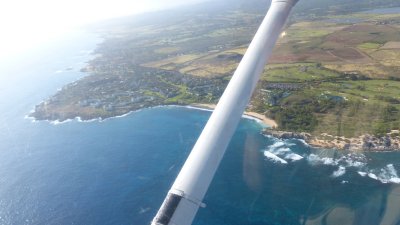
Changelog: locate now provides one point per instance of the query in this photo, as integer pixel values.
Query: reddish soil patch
(360, 33)
(359, 27)
(287, 58)
(348, 38)
(310, 56)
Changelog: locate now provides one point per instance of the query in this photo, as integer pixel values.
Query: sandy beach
(267, 121)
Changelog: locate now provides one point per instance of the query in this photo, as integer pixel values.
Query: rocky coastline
(367, 142)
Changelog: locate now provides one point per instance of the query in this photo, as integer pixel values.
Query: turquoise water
(118, 171)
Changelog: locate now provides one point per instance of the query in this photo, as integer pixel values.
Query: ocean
(118, 171)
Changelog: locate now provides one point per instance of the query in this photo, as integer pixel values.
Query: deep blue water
(118, 171)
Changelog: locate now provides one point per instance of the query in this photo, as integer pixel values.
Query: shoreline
(362, 143)
(199, 106)
(324, 141)
(257, 116)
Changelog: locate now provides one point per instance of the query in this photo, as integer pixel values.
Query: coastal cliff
(389, 142)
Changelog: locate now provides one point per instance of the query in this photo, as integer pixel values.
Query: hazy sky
(26, 23)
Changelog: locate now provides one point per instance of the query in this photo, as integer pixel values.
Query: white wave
(353, 160)
(78, 119)
(194, 107)
(276, 145)
(345, 161)
(373, 176)
(316, 160)
(363, 174)
(121, 116)
(392, 171)
(254, 119)
(293, 157)
(339, 172)
(356, 164)
(57, 122)
(281, 151)
(388, 175)
(394, 180)
(328, 161)
(274, 158)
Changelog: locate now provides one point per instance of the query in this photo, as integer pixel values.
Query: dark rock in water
(372, 143)
(387, 141)
(368, 143)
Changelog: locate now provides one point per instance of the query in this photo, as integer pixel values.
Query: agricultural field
(370, 47)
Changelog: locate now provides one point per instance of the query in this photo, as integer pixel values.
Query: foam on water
(274, 158)
(339, 172)
(281, 152)
(314, 160)
(353, 160)
(277, 145)
(57, 122)
(363, 174)
(293, 157)
(281, 149)
(197, 108)
(388, 174)
(254, 119)
(373, 176)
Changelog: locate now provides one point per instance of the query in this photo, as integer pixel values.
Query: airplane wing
(187, 193)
